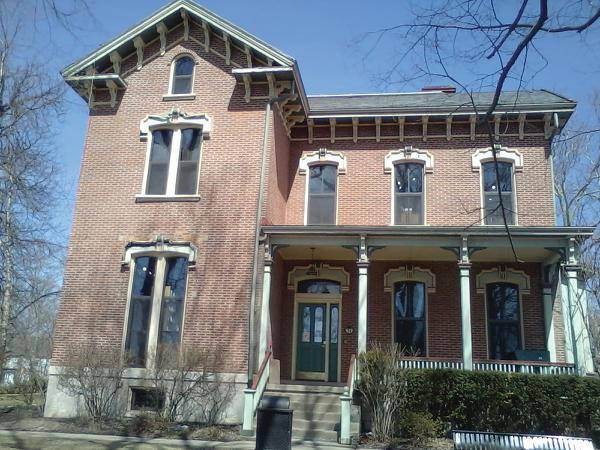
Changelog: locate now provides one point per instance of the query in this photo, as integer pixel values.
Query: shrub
(383, 388)
(420, 426)
(95, 375)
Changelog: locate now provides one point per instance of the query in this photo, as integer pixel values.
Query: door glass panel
(334, 324)
(318, 324)
(306, 324)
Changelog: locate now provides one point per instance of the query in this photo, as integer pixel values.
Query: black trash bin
(274, 424)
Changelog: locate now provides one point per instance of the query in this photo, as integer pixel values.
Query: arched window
(491, 186)
(182, 75)
(408, 194)
(322, 194)
(504, 320)
(319, 286)
(409, 316)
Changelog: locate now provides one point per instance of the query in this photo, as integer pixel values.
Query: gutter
(426, 231)
(257, 245)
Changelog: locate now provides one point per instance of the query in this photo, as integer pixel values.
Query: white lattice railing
(532, 367)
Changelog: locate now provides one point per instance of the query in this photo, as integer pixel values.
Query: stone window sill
(174, 97)
(166, 198)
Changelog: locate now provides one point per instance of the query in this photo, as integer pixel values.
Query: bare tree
(496, 42)
(31, 102)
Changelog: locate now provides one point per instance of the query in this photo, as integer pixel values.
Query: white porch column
(465, 309)
(265, 312)
(363, 271)
(577, 313)
(549, 322)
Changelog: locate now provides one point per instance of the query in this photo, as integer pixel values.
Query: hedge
(501, 402)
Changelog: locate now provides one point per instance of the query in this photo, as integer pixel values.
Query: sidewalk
(67, 441)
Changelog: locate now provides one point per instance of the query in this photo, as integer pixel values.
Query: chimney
(446, 89)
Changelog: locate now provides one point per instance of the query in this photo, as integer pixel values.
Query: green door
(310, 362)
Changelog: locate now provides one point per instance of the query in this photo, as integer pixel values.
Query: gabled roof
(169, 14)
(436, 102)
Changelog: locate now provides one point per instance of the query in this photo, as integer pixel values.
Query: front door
(317, 341)
(311, 344)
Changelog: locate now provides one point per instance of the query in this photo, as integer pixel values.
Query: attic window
(182, 76)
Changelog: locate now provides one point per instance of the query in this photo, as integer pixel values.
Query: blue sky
(322, 36)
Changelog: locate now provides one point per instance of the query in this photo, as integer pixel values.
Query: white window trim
(317, 158)
(406, 273)
(170, 95)
(160, 250)
(503, 275)
(407, 154)
(176, 120)
(503, 154)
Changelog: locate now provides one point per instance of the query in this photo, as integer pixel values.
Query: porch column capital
(572, 270)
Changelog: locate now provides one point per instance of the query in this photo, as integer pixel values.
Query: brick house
(220, 206)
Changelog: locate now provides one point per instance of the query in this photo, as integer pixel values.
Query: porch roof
(423, 243)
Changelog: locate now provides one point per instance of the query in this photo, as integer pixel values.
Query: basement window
(147, 399)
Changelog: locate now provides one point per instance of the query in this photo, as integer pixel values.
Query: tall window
(322, 195)
(155, 306)
(491, 188)
(409, 316)
(173, 162)
(504, 323)
(408, 194)
(183, 75)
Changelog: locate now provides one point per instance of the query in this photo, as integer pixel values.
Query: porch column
(549, 322)
(363, 270)
(265, 312)
(465, 309)
(577, 313)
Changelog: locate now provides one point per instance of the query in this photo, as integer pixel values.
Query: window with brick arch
(495, 187)
(182, 76)
(504, 320)
(174, 161)
(410, 317)
(408, 194)
(322, 193)
(155, 306)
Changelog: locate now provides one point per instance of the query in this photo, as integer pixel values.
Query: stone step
(307, 399)
(308, 425)
(315, 435)
(307, 388)
(317, 415)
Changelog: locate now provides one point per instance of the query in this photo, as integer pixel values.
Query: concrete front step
(315, 435)
(308, 388)
(316, 410)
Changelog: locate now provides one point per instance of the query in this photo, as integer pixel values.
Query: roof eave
(193, 8)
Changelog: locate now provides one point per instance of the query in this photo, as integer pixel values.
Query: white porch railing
(531, 367)
(346, 403)
(253, 395)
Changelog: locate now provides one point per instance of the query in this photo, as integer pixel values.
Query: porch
(450, 297)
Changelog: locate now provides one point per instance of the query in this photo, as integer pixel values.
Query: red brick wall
(452, 190)
(221, 224)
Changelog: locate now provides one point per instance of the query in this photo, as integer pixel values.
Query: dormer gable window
(182, 76)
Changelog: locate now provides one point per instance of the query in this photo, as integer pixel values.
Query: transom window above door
(321, 196)
(408, 194)
(319, 286)
(173, 162)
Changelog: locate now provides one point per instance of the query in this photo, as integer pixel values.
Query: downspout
(257, 244)
(554, 132)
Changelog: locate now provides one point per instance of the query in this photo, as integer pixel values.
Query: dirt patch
(407, 444)
(16, 416)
